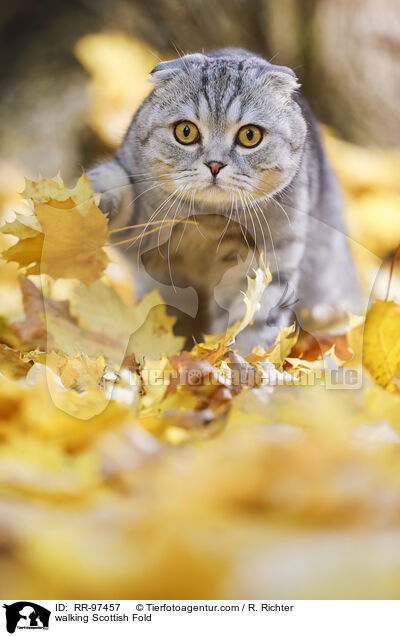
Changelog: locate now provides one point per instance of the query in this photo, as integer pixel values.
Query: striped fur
(280, 197)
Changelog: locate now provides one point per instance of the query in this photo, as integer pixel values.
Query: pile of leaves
(130, 467)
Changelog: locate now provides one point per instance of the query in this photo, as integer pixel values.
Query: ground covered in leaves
(132, 468)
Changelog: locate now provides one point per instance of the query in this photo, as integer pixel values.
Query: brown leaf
(310, 348)
(11, 364)
(31, 330)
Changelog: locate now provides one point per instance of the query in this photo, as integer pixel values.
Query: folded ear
(280, 77)
(167, 70)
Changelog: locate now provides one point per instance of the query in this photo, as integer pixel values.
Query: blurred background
(250, 515)
(58, 88)
(73, 73)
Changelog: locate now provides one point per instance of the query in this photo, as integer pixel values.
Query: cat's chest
(199, 252)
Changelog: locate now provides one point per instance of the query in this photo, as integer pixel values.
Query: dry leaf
(11, 364)
(382, 343)
(256, 287)
(76, 373)
(65, 238)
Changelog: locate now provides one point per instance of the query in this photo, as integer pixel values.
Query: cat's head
(220, 124)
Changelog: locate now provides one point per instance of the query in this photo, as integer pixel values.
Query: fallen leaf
(11, 364)
(381, 349)
(256, 287)
(31, 330)
(76, 373)
(65, 238)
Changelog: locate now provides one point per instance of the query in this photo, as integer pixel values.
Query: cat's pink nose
(215, 167)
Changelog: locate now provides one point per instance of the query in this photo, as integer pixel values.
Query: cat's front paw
(112, 182)
(256, 337)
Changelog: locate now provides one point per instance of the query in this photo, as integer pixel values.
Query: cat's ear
(167, 70)
(281, 78)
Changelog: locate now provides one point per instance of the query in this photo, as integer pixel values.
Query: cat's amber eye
(186, 132)
(249, 136)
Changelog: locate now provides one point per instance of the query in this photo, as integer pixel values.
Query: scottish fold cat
(222, 162)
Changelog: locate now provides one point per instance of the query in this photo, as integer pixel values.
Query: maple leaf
(65, 236)
(256, 287)
(144, 329)
(298, 454)
(101, 325)
(31, 330)
(11, 364)
(78, 372)
(46, 190)
(284, 343)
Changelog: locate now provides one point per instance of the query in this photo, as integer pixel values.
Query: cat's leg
(328, 292)
(111, 180)
(279, 302)
(277, 310)
(277, 307)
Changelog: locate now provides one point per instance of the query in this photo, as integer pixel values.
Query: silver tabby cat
(227, 146)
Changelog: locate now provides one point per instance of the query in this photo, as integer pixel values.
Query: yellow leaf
(73, 243)
(284, 343)
(46, 189)
(355, 336)
(24, 226)
(27, 253)
(382, 343)
(111, 58)
(66, 235)
(39, 410)
(78, 372)
(11, 364)
(54, 189)
(155, 338)
(110, 328)
(144, 329)
(256, 287)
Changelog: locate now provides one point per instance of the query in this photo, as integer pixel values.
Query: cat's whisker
(145, 177)
(133, 227)
(195, 217)
(227, 224)
(164, 219)
(244, 232)
(169, 239)
(248, 204)
(199, 230)
(254, 230)
(154, 214)
(155, 229)
(288, 203)
(260, 224)
(191, 207)
(283, 210)
(156, 185)
(270, 235)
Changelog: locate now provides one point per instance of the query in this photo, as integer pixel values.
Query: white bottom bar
(194, 617)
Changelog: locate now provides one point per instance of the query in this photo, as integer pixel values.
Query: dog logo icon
(26, 615)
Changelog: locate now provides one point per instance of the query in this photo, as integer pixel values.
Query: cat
(226, 145)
